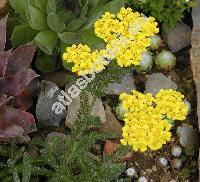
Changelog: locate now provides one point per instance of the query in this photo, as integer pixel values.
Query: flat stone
(158, 81)
(189, 137)
(112, 125)
(127, 85)
(178, 37)
(48, 95)
(73, 109)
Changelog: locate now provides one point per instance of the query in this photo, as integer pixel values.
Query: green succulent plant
(53, 27)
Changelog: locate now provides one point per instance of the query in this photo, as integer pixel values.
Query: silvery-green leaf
(18, 6)
(76, 24)
(46, 40)
(55, 23)
(19, 38)
(36, 17)
(51, 6)
(70, 38)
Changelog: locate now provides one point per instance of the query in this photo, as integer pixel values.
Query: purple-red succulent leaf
(3, 33)
(10, 130)
(9, 115)
(22, 102)
(3, 62)
(13, 85)
(2, 99)
(20, 59)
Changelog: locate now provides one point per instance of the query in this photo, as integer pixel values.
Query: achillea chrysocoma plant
(146, 118)
(127, 36)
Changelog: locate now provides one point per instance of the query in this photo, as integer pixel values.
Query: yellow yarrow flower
(85, 61)
(145, 117)
(170, 103)
(127, 35)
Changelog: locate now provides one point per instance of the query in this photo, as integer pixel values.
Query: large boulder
(195, 56)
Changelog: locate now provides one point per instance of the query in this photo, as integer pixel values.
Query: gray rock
(178, 37)
(189, 137)
(112, 125)
(73, 109)
(127, 85)
(176, 151)
(163, 162)
(48, 96)
(59, 78)
(55, 134)
(158, 81)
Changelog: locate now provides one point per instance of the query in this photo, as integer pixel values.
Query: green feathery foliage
(167, 12)
(65, 159)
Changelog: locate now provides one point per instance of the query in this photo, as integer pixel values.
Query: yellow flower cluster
(170, 103)
(85, 61)
(146, 124)
(127, 34)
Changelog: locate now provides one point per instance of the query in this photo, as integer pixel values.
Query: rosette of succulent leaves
(52, 25)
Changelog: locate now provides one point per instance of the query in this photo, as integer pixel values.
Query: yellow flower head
(127, 35)
(146, 124)
(85, 61)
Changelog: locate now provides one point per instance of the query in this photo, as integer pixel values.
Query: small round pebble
(176, 163)
(131, 172)
(142, 179)
(176, 151)
(163, 162)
